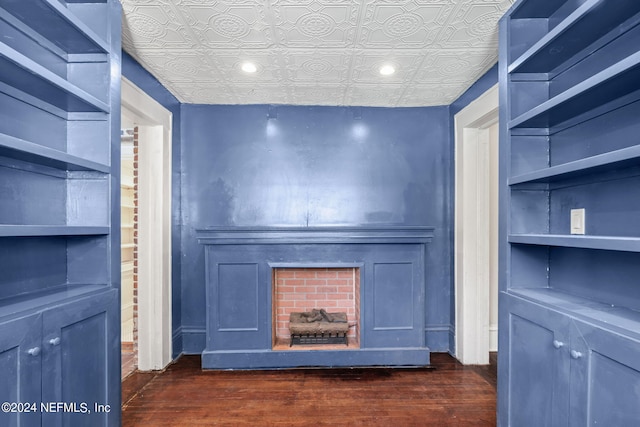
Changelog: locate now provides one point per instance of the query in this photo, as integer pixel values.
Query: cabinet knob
(575, 354)
(54, 341)
(558, 344)
(34, 351)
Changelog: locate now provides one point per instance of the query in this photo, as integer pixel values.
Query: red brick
(305, 274)
(315, 282)
(285, 274)
(294, 282)
(329, 304)
(306, 304)
(326, 274)
(305, 289)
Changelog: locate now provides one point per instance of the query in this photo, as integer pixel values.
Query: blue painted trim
(267, 359)
(288, 235)
(194, 339)
(438, 337)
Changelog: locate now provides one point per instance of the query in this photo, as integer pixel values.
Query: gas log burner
(318, 327)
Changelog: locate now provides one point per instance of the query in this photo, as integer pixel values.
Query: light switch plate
(577, 221)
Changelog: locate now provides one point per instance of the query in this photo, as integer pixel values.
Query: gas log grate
(318, 327)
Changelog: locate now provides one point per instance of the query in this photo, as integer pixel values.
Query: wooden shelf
(126, 266)
(600, 163)
(615, 82)
(52, 230)
(29, 78)
(34, 153)
(613, 243)
(47, 297)
(57, 24)
(542, 9)
(585, 25)
(609, 316)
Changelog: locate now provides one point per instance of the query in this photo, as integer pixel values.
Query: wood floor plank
(445, 394)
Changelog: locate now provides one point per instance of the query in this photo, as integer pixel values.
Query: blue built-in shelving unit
(570, 139)
(59, 238)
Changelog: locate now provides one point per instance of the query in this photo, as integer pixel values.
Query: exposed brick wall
(135, 240)
(303, 289)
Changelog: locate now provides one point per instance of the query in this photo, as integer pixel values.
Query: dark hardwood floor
(445, 394)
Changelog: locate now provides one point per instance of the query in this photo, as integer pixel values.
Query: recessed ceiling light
(249, 67)
(387, 70)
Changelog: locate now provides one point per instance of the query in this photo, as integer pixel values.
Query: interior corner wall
(420, 141)
(483, 84)
(134, 72)
(315, 166)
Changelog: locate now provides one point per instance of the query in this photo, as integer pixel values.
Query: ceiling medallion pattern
(230, 26)
(317, 66)
(316, 25)
(314, 52)
(402, 25)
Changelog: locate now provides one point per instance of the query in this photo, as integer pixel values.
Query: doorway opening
(476, 229)
(151, 225)
(128, 230)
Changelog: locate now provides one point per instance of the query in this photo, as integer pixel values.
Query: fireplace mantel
(313, 235)
(239, 264)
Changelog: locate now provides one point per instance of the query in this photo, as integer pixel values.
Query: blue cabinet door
(538, 346)
(81, 356)
(605, 377)
(20, 368)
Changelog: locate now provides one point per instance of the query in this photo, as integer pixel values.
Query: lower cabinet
(564, 371)
(61, 366)
(605, 377)
(21, 368)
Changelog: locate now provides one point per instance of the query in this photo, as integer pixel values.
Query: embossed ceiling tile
(403, 23)
(206, 93)
(126, 4)
(381, 95)
(154, 26)
(318, 94)
(229, 23)
(430, 95)
(316, 65)
(194, 2)
(366, 66)
(314, 52)
(474, 24)
(247, 93)
(229, 63)
(318, 23)
(458, 66)
(180, 66)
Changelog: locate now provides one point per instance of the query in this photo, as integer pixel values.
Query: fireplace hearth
(307, 301)
(251, 293)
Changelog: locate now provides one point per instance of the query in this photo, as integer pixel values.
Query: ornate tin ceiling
(314, 52)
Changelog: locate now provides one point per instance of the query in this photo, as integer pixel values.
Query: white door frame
(154, 226)
(472, 228)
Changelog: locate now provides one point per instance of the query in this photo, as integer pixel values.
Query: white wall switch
(577, 221)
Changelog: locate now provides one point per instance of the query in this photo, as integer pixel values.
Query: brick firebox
(303, 289)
